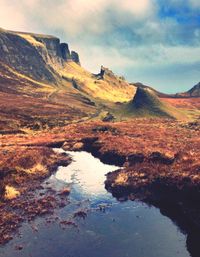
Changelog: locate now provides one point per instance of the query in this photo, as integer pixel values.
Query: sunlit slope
(45, 59)
(40, 66)
(43, 85)
(108, 87)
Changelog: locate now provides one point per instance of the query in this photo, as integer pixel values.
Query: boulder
(66, 146)
(78, 146)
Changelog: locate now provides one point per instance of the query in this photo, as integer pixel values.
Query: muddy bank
(166, 169)
(177, 198)
(22, 170)
(19, 166)
(159, 191)
(95, 147)
(168, 180)
(98, 221)
(160, 158)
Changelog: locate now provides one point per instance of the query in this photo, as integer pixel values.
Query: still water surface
(128, 229)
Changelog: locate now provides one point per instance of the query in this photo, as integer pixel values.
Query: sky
(156, 42)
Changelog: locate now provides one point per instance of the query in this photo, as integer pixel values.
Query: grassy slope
(77, 95)
(28, 103)
(147, 104)
(110, 89)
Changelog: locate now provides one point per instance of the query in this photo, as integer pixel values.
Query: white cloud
(11, 16)
(97, 30)
(195, 3)
(93, 57)
(75, 16)
(138, 57)
(138, 8)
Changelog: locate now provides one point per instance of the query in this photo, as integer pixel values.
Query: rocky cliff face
(37, 56)
(32, 58)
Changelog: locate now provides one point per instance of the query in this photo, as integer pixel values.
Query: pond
(110, 229)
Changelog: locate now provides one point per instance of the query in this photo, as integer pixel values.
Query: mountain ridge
(45, 70)
(192, 92)
(44, 59)
(40, 55)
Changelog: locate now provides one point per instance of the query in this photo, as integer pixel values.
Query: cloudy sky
(156, 42)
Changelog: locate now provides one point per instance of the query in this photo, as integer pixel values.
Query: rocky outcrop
(75, 57)
(195, 91)
(65, 53)
(106, 72)
(37, 56)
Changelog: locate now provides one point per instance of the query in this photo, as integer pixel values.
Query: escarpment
(37, 56)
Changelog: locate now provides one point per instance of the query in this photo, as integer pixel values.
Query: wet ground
(94, 223)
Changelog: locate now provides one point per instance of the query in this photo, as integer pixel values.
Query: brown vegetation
(22, 169)
(160, 156)
(188, 103)
(155, 153)
(20, 166)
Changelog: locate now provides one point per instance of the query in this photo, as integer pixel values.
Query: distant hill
(158, 93)
(146, 103)
(193, 92)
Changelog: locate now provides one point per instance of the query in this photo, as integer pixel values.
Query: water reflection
(124, 230)
(86, 173)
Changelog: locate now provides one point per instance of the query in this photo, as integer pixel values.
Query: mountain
(40, 57)
(158, 93)
(194, 91)
(146, 103)
(42, 85)
(45, 59)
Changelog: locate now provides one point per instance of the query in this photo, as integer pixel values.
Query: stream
(109, 229)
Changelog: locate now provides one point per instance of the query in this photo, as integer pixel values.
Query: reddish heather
(151, 150)
(189, 103)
